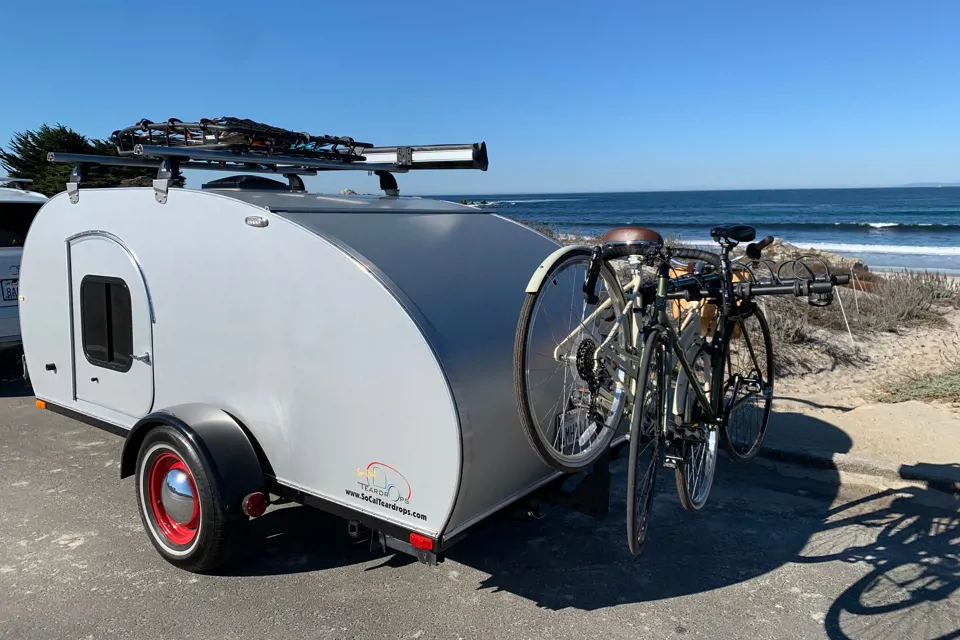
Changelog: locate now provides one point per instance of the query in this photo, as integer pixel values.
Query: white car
(18, 206)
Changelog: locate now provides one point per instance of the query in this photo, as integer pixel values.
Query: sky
(569, 96)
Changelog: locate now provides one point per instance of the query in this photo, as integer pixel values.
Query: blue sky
(569, 96)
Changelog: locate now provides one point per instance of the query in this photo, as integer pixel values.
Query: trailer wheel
(179, 506)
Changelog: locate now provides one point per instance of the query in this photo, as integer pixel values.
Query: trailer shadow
(297, 539)
(756, 521)
(904, 543)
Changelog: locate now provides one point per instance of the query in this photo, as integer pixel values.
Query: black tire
(648, 444)
(546, 452)
(736, 450)
(690, 502)
(215, 535)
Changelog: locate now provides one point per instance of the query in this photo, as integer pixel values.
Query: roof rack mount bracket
(78, 175)
(168, 172)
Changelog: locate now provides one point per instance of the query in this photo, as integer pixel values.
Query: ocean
(893, 228)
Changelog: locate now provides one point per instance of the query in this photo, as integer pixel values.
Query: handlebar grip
(841, 279)
(754, 248)
(697, 254)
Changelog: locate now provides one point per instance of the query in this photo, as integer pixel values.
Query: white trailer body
(364, 343)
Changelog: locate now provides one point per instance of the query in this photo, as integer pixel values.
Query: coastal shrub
(799, 346)
(928, 386)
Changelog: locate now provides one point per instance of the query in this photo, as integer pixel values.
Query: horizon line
(917, 185)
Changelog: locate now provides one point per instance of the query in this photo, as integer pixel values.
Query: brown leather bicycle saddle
(632, 234)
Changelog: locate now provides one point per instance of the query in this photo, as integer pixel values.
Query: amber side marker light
(40, 404)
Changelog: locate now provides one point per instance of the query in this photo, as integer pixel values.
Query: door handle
(145, 358)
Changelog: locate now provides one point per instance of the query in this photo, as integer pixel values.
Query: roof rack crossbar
(91, 160)
(211, 155)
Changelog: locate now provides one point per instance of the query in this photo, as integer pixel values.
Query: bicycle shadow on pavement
(755, 522)
(907, 541)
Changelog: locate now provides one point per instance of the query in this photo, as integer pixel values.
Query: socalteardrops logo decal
(382, 485)
(385, 481)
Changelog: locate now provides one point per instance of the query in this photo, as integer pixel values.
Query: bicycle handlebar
(798, 288)
(697, 254)
(692, 288)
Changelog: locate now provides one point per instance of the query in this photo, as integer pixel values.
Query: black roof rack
(238, 135)
(241, 145)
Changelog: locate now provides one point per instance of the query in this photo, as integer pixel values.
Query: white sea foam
(839, 247)
(857, 249)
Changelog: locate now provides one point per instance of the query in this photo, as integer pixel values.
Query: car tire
(179, 506)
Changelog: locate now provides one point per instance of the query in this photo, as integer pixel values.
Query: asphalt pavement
(771, 556)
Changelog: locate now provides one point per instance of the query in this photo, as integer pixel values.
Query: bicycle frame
(624, 361)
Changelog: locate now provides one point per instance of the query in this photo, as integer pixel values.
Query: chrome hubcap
(177, 496)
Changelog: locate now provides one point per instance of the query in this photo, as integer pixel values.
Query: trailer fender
(537, 279)
(223, 445)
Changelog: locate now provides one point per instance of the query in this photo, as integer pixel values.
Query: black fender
(222, 444)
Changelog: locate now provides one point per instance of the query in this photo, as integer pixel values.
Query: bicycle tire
(545, 451)
(729, 446)
(685, 491)
(638, 512)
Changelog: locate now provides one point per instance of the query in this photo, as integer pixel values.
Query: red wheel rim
(176, 532)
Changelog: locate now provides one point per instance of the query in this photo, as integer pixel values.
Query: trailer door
(112, 326)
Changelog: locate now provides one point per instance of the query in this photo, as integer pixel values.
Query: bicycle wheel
(694, 473)
(748, 388)
(646, 433)
(570, 408)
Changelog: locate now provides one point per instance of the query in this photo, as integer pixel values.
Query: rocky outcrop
(347, 192)
(780, 251)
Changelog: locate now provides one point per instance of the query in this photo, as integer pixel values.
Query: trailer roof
(306, 202)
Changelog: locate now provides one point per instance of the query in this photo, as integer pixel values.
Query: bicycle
(611, 364)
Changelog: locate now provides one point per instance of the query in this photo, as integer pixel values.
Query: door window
(106, 322)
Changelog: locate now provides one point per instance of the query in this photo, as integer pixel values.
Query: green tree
(26, 157)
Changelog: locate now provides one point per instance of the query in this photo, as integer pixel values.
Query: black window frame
(109, 316)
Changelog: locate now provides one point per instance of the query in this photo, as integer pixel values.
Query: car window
(15, 220)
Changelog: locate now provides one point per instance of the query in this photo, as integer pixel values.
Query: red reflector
(255, 504)
(421, 542)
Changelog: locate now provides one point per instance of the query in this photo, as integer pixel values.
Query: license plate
(11, 289)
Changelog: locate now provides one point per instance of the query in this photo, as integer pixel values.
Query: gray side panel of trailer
(465, 273)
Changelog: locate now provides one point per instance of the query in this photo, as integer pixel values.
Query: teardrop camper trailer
(255, 343)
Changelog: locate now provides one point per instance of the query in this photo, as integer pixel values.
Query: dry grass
(943, 386)
(807, 339)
